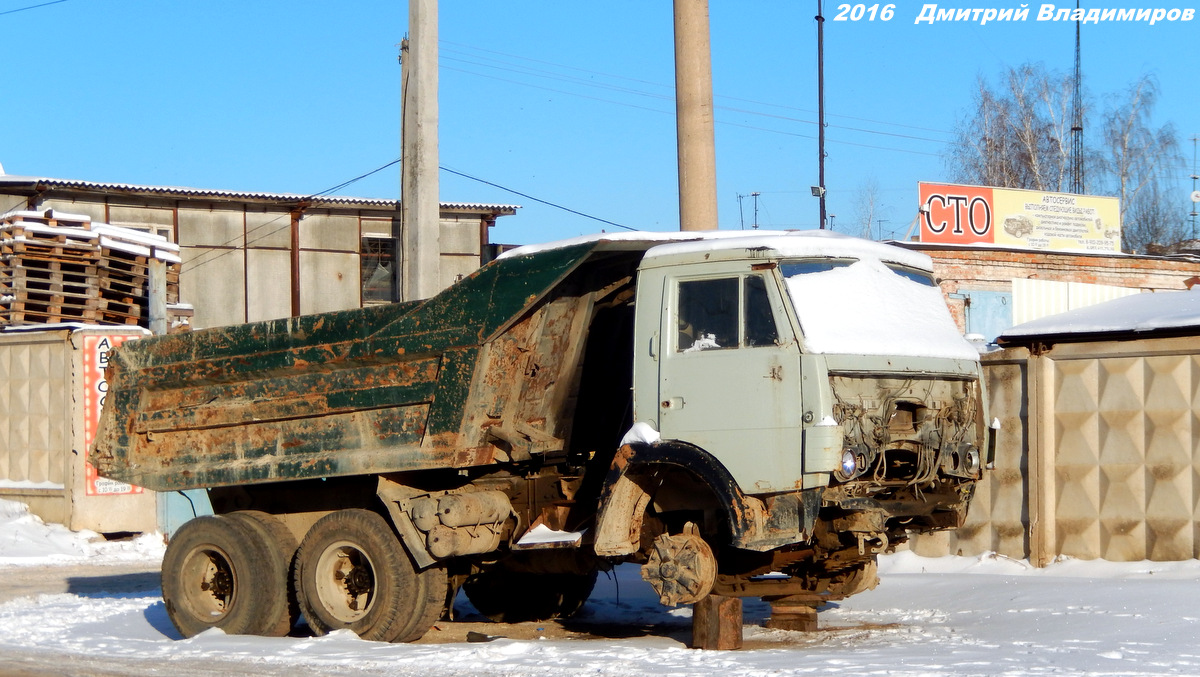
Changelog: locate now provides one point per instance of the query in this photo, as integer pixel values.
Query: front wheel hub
(682, 568)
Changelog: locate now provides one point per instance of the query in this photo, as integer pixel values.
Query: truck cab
(819, 381)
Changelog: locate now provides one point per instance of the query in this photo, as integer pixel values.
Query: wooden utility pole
(420, 249)
(694, 117)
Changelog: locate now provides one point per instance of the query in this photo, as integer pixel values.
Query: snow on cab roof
(1146, 312)
(787, 244)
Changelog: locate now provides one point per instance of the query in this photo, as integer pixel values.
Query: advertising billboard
(95, 388)
(955, 214)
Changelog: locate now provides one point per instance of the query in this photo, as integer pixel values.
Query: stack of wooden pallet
(57, 267)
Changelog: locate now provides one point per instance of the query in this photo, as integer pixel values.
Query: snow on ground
(26, 541)
(983, 615)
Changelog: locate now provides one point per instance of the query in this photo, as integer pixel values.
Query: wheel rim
(345, 578)
(210, 583)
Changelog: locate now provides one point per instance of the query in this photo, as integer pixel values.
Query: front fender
(755, 522)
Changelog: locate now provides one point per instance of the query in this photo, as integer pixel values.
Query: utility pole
(420, 248)
(694, 117)
(755, 196)
(819, 190)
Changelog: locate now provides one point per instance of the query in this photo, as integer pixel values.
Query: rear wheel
(352, 572)
(212, 577)
(278, 600)
(514, 597)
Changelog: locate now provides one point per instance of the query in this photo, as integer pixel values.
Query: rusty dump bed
(478, 373)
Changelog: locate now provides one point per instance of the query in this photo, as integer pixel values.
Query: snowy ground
(949, 616)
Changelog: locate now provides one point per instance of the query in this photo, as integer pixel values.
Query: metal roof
(1167, 313)
(37, 182)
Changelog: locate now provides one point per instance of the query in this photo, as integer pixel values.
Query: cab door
(729, 376)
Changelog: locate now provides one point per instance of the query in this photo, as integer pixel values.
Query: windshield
(868, 307)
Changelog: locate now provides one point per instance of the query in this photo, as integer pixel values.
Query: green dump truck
(744, 415)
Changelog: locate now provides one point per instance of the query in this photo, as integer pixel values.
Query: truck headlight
(971, 466)
(849, 466)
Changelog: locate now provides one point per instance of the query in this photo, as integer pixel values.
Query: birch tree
(1017, 136)
(1137, 161)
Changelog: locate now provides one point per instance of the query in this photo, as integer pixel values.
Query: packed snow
(983, 615)
(866, 308)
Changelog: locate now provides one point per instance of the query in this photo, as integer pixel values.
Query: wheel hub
(682, 568)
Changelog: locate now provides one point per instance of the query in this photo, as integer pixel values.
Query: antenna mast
(1195, 193)
(819, 190)
(1077, 120)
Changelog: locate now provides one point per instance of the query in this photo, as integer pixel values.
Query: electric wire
(669, 96)
(720, 122)
(22, 9)
(212, 255)
(535, 199)
(669, 88)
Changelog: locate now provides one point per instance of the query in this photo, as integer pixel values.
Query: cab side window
(760, 324)
(708, 314)
(724, 313)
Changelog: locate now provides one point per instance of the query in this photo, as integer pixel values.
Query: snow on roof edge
(787, 243)
(74, 326)
(991, 246)
(1139, 313)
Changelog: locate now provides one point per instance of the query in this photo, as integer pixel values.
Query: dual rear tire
(244, 573)
(352, 572)
(227, 572)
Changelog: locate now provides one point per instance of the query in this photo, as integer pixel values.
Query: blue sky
(564, 101)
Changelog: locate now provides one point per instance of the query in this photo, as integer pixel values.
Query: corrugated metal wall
(1098, 455)
(1034, 299)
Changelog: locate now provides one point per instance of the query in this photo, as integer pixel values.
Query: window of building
(378, 267)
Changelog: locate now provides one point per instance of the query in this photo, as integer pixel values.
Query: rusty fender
(756, 522)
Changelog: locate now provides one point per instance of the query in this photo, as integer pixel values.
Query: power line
(665, 98)
(22, 9)
(720, 122)
(535, 199)
(354, 180)
(668, 88)
(200, 260)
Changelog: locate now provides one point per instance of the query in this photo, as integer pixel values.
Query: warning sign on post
(95, 358)
(954, 214)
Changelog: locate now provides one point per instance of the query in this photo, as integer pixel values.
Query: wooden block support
(717, 623)
(789, 613)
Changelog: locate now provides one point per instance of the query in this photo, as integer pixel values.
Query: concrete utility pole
(420, 249)
(694, 117)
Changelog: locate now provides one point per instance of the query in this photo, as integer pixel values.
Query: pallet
(68, 273)
(119, 308)
(48, 218)
(56, 268)
(66, 266)
(50, 309)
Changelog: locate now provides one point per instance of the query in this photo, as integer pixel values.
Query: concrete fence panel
(1098, 455)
